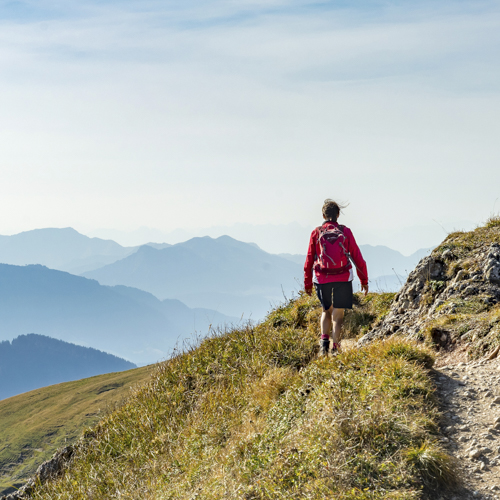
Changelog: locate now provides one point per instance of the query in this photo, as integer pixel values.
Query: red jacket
(354, 251)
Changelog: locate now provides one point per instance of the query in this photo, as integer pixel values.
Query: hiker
(332, 247)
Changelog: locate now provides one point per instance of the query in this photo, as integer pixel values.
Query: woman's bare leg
(337, 318)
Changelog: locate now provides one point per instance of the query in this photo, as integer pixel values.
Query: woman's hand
(364, 288)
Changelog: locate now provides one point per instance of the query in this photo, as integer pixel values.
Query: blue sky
(198, 114)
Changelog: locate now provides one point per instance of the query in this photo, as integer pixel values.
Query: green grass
(34, 424)
(254, 414)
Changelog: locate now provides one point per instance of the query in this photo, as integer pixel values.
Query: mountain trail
(469, 394)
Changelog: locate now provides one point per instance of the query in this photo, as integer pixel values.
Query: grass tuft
(493, 221)
(432, 464)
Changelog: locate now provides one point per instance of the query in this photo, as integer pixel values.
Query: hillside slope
(47, 361)
(33, 425)
(253, 414)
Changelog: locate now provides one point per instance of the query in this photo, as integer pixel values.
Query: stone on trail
(475, 453)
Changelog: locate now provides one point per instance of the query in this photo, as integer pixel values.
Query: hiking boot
(325, 347)
(335, 347)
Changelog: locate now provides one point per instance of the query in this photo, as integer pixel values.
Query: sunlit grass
(252, 413)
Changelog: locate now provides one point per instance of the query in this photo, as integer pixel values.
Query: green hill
(252, 413)
(34, 424)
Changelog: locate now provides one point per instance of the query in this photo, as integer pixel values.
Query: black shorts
(341, 292)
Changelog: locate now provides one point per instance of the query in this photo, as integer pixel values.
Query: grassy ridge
(34, 424)
(253, 414)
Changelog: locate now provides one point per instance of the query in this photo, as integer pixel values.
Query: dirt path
(470, 396)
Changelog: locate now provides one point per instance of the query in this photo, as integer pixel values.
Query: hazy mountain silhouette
(130, 324)
(223, 273)
(63, 249)
(33, 361)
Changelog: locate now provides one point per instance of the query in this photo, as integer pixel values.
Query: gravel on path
(469, 393)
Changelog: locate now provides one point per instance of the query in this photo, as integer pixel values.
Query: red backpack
(334, 257)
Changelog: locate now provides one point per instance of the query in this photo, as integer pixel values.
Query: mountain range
(131, 324)
(33, 361)
(138, 302)
(230, 276)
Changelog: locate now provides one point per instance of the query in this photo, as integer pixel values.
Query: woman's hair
(331, 210)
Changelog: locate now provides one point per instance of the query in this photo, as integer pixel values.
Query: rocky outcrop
(492, 265)
(48, 470)
(441, 284)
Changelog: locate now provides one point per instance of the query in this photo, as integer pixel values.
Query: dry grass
(254, 414)
(493, 221)
(461, 244)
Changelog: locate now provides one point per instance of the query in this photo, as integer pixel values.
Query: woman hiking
(332, 247)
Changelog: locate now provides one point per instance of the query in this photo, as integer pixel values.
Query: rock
(494, 353)
(48, 470)
(491, 268)
(475, 453)
(496, 400)
(447, 254)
